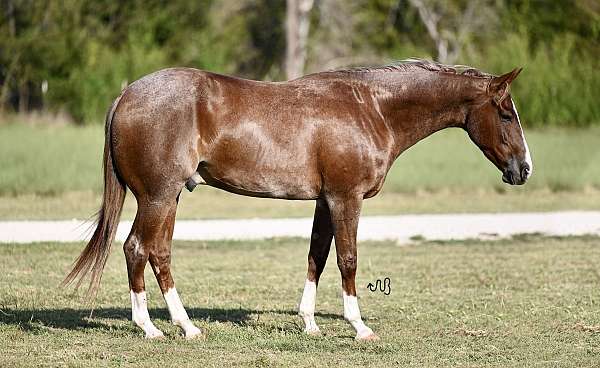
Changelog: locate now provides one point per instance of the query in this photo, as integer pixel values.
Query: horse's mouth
(509, 177)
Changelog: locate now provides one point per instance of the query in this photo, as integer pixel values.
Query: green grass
(50, 159)
(525, 302)
(51, 171)
(210, 203)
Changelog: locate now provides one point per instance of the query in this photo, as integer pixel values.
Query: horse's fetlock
(179, 322)
(352, 317)
(140, 321)
(304, 312)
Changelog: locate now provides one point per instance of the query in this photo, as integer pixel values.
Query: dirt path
(400, 228)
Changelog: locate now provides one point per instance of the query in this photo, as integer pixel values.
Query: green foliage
(104, 72)
(50, 159)
(558, 85)
(86, 50)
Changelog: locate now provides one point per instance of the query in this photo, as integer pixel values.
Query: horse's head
(494, 126)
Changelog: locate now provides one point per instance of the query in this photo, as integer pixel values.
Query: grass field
(525, 302)
(209, 203)
(55, 172)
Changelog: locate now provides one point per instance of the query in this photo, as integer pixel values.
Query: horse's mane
(420, 64)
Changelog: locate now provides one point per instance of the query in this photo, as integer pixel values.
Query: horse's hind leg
(137, 248)
(150, 239)
(320, 242)
(160, 260)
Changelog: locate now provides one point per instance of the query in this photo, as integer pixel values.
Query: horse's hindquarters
(155, 137)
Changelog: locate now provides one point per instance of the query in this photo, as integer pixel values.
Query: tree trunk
(6, 83)
(23, 97)
(297, 25)
(430, 20)
(10, 15)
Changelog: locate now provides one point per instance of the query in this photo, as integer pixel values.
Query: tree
(450, 25)
(297, 26)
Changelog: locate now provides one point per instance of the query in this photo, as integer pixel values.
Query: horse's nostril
(525, 172)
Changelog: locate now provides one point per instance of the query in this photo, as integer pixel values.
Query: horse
(330, 137)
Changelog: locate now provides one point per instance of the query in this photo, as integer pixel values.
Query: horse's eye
(506, 118)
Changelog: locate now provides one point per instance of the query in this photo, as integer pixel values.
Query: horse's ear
(500, 86)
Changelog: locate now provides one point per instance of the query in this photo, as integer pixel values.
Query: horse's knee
(347, 264)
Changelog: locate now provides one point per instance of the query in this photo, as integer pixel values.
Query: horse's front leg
(320, 242)
(345, 212)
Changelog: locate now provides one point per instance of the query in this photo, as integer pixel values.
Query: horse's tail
(94, 256)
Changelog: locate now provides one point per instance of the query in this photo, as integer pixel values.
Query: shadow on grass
(102, 318)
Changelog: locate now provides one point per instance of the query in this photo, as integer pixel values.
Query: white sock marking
(140, 316)
(352, 315)
(527, 154)
(179, 316)
(306, 310)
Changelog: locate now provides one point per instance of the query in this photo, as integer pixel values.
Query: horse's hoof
(370, 337)
(315, 332)
(196, 335)
(155, 335)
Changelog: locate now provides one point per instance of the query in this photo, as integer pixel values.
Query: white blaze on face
(352, 315)
(179, 316)
(140, 316)
(527, 153)
(306, 310)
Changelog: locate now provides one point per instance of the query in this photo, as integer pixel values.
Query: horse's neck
(416, 106)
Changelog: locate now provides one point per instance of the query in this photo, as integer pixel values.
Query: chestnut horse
(329, 137)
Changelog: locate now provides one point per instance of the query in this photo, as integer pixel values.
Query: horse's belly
(263, 159)
(246, 166)
(260, 182)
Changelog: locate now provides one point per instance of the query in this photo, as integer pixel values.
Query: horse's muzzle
(516, 174)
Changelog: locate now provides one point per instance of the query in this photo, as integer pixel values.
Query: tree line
(74, 56)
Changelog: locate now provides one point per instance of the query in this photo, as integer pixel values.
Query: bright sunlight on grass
(521, 303)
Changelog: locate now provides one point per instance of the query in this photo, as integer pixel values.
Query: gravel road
(399, 228)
